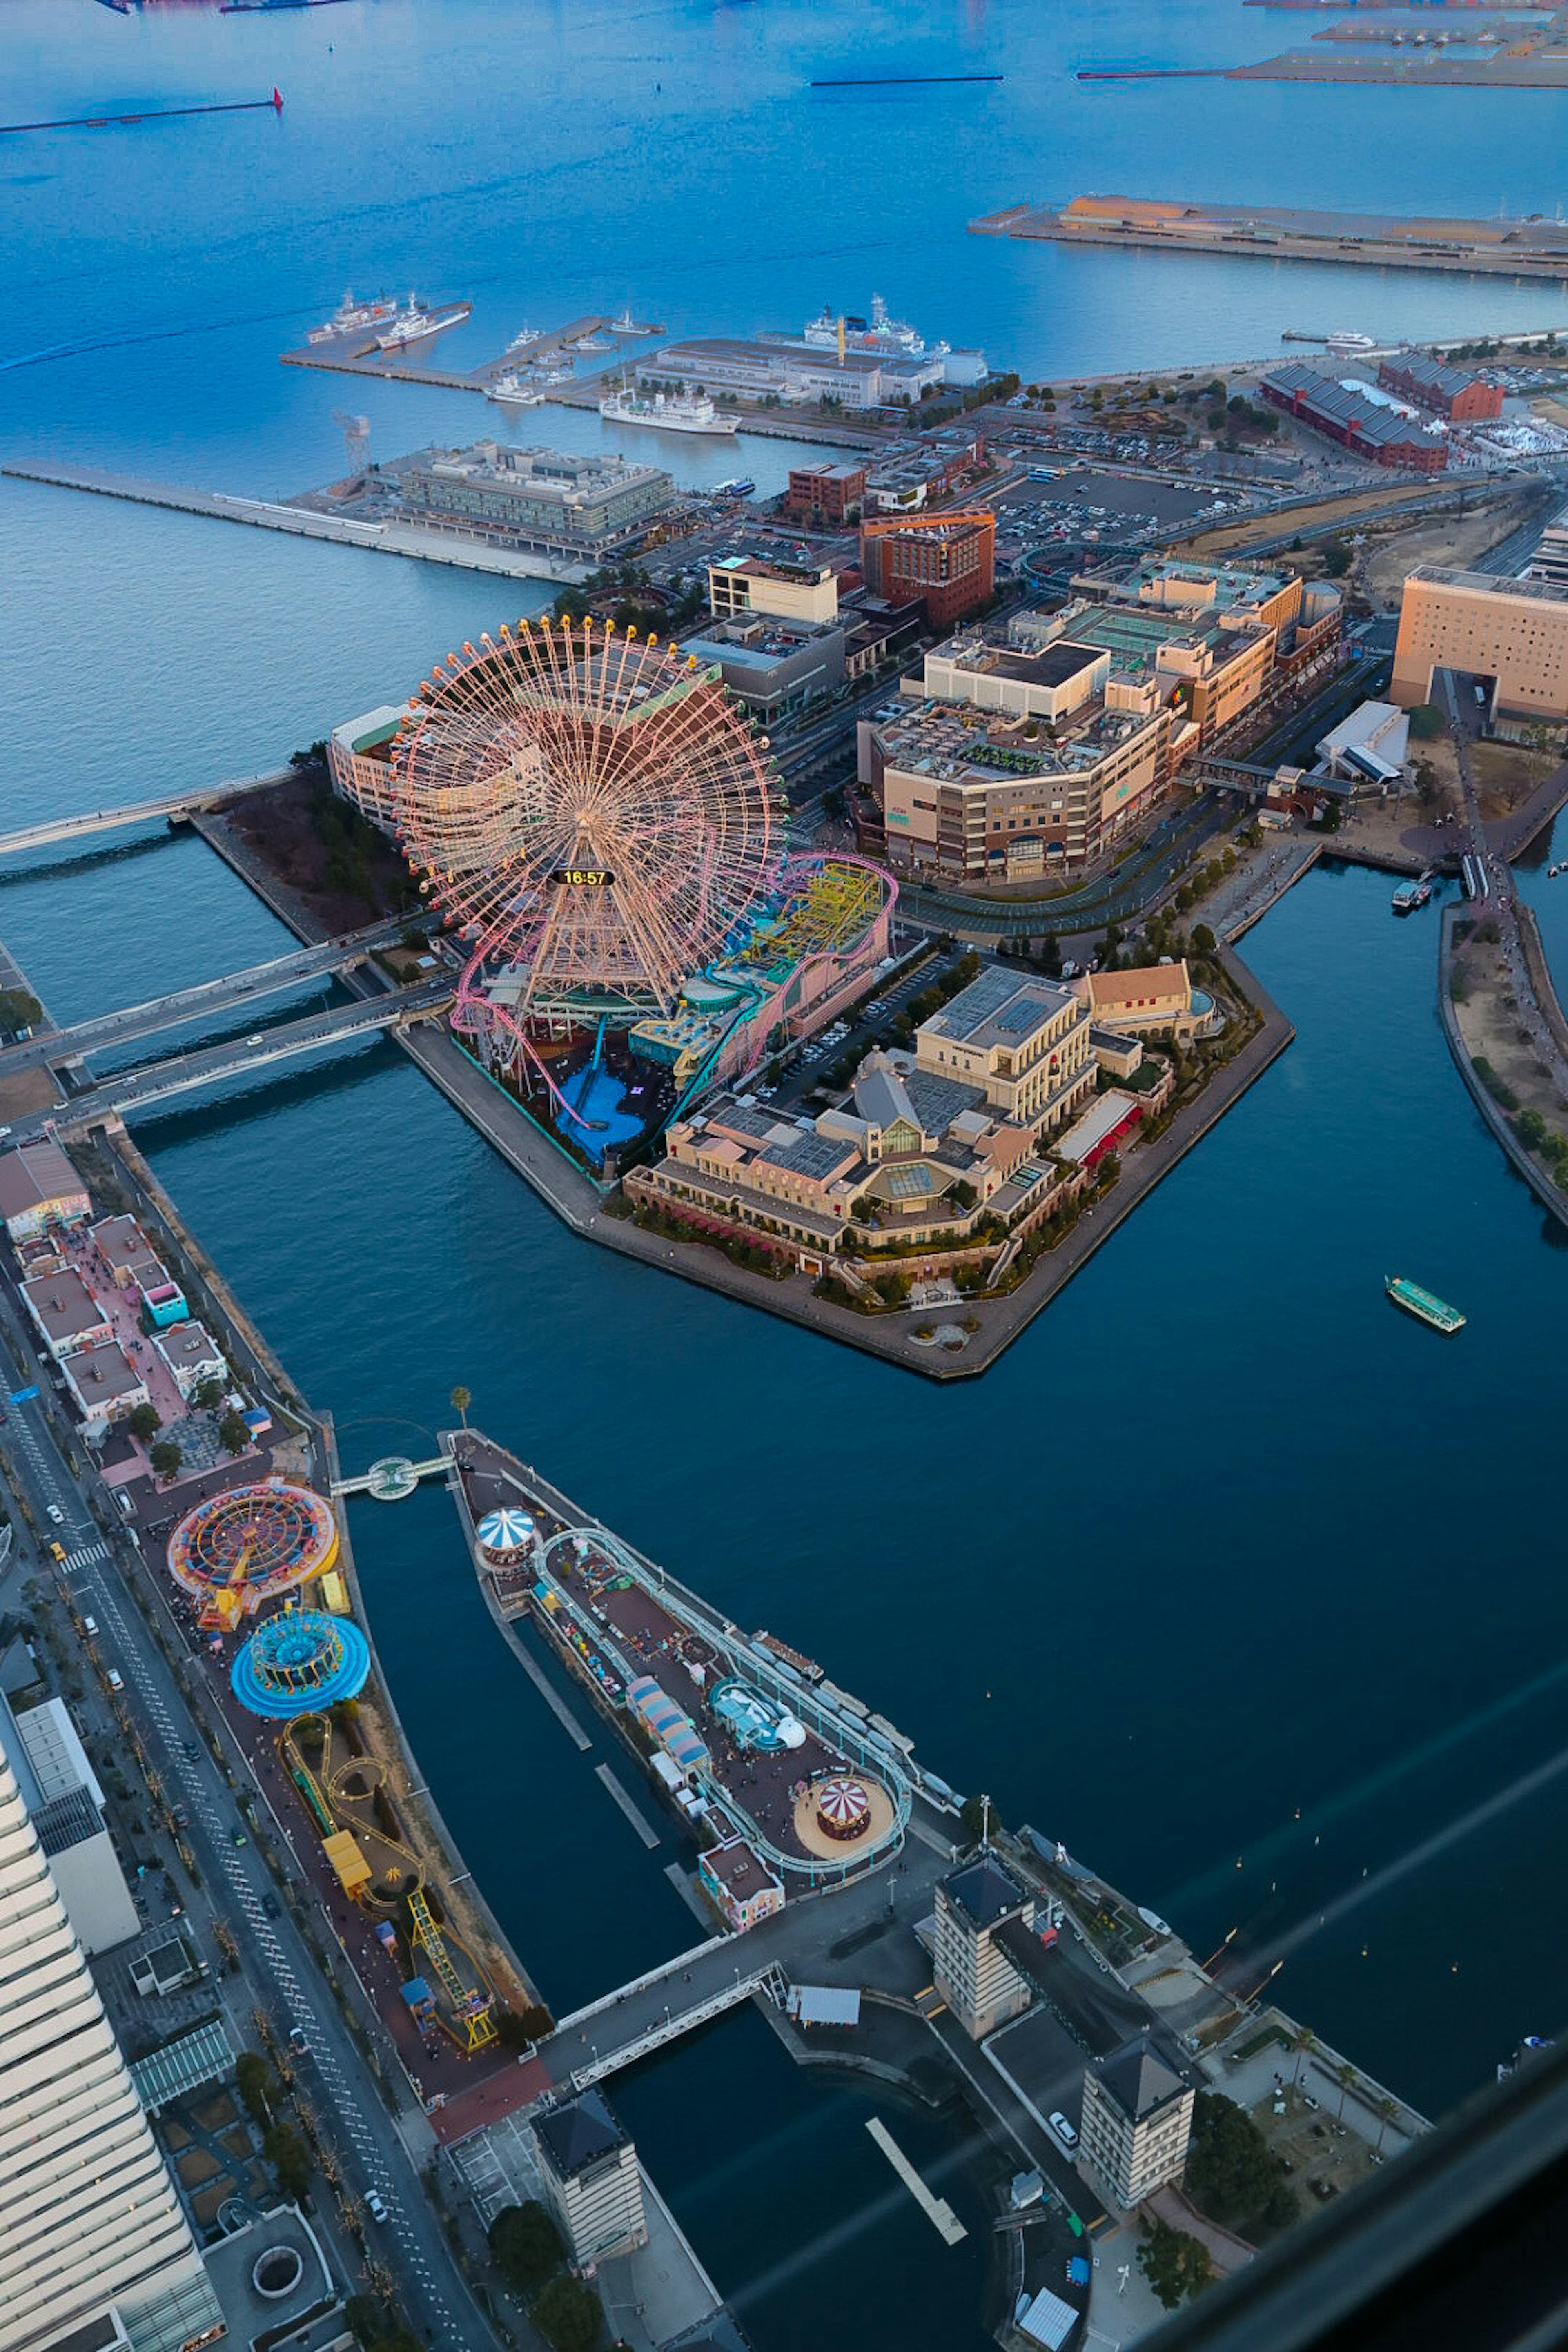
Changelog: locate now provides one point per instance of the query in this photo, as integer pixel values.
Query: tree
(1345, 2076)
(253, 2080)
(1425, 722)
(461, 1400)
(962, 1196)
(289, 2158)
(1203, 940)
(233, 1434)
(567, 2315)
(1336, 559)
(20, 1009)
(143, 1421)
(1387, 2111)
(1174, 2264)
(527, 2246)
(1305, 2042)
(208, 1394)
(165, 1457)
(1231, 2174)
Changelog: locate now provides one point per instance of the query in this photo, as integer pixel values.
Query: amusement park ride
(600, 823)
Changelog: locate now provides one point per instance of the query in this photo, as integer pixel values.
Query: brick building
(828, 497)
(1360, 419)
(946, 562)
(1456, 393)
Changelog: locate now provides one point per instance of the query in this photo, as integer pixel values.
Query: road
(211, 996)
(207, 1065)
(279, 1970)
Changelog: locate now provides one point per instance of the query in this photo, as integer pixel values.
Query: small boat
(626, 325)
(524, 335)
(1350, 345)
(1422, 1304)
(739, 488)
(1411, 895)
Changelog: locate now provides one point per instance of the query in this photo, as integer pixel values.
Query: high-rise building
(94, 2248)
(974, 1974)
(1137, 2118)
(589, 2167)
(945, 562)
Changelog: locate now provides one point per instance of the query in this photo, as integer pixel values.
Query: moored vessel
(352, 317)
(1411, 895)
(1422, 1304)
(666, 411)
(626, 325)
(511, 392)
(412, 324)
(1345, 344)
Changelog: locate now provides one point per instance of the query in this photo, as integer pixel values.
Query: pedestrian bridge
(654, 2031)
(208, 999)
(52, 830)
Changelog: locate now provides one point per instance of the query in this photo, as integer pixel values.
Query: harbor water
(1229, 1575)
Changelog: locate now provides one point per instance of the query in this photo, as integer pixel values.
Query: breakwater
(1504, 248)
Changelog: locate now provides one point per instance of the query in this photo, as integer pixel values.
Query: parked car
(273, 1909)
(116, 1680)
(1064, 2131)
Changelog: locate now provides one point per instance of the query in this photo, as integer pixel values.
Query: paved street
(279, 1972)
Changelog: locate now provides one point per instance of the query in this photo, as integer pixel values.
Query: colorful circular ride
(843, 1810)
(592, 812)
(250, 1545)
(506, 1535)
(298, 1661)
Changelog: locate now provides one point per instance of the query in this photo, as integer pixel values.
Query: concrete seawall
(1524, 1163)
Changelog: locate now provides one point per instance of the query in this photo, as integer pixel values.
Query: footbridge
(60, 1047)
(656, 2010)
(172, 806)
(155, 1082)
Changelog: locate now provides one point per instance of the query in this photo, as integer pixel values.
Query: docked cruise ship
(876, 333)
(666, 411)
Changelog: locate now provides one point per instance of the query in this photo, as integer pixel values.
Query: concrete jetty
(304, 523)
(1503, 248)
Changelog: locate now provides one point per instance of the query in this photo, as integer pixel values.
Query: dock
(356, 354)
(305, 522)
(1502, 248)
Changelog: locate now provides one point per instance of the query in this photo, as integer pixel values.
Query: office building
(539, 500)
(1137, 2119)
(1369, 424)
(974, 1974)
(773, 667)
(945, 562)
(1510, 637)
(826, 496)
(1457, 394)
(592, 2183)
(743, 585)
(95, 2251)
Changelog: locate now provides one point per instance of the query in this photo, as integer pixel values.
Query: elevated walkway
(210, 997)
(51, 830)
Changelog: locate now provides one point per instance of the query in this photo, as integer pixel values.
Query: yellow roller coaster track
(477, 2024)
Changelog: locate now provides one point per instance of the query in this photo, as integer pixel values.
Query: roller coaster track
(480, 2024)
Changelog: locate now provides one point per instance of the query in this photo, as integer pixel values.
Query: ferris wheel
(591, 810)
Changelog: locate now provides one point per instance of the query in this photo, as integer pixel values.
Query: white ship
(626, 325)
(412, 324)
(666, 413)
(1350, 345)
(523, 336)
(876, 333)
(588, 343)
(352, 317)
(511, 392)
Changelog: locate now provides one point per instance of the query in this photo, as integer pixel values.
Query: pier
(305, 522)
(356, 354)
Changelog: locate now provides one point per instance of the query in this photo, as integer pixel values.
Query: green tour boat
(1422, 1305)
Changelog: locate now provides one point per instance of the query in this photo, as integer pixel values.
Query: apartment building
(94, 2246)
(1512, 635)
(1137, 2118)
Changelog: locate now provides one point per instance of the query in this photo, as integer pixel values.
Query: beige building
(738, 584)
(38, 1187)
(592, 2182)
(1137, 2119)
(359, 761)
(1154, 1001)
(974, 1974)
(1510, 635)
(1024, 1042)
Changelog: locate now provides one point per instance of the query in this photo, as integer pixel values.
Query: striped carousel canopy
(506, 1529)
